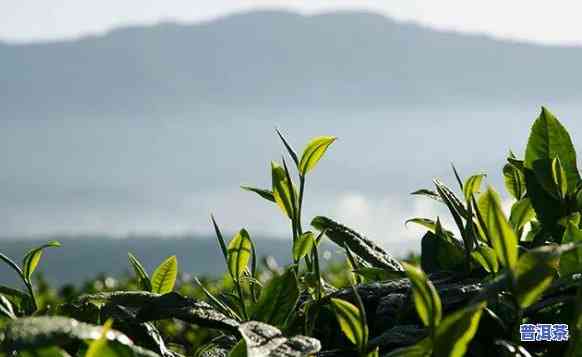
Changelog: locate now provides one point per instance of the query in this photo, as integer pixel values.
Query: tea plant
(475, 285)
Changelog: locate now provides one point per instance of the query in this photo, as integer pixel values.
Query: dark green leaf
(266, 194)
(514, 181)
(521, 213)
(549, 139)
(277, 300)
(282, 190)
(420, 349)
(289, 148)
(487, 258)
(32, 258)
(559, 178)
(571, 262)
(140, 272)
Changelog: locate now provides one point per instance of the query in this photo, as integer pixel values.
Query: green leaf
(32, 258)
(289, 148)
(239, 350)
(440, 252)
(303, 245)
(502, 236)
(97, 347)
(349, 319)
(6, 307)
(266, 194)
(44, 352)
(559, 178)
(277, 300)
(140, 272)
(420, 349)
(426, 298)
(239, 254)
(219, 238)
(575, 345)
(487, 258)
(521, 214)
(225, 309)
(428, 193)
(549, 139)
(164, 277)
(514, 181)
(535, 272)
(427, 223)
(313, 153)
(282, 188)
(571, 262)
(472, 185)
(454, 333)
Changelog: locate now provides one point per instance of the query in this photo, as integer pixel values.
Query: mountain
(277, 59)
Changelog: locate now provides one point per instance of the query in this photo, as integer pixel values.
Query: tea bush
(472, 289)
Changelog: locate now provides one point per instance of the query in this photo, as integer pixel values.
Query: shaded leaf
(266, 194)
(164, 277)
(535, 271)
(422, 348)
(428, 193)
(510, 349)
(278, 300)
(140, 272)
(571, 262)
(313, 153)
(6, 307)
(439, 253)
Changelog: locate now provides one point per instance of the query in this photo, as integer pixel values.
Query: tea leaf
(559, 177)
(439, 252)
(428, 193)
(303, 245)
(282, 188)
(239, 254)
(472, 185)
(575, 345)
(164, 277)
(32, 258)
(219, 238)
(349, 319)
(140, 272)
(420, 349)
(313, 153)
(510, 349)
(521, 213)
(571, 262)
(549, 139)
(289, 148)
(277, 299)
(263, 340)
(502, 236)
(535, 272)
(266, 194)
(426, 298)
(456, 330)
(486, 257)
(514, 181)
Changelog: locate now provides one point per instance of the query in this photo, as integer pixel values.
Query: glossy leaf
(313, 152)
(140, 272)
(239, 254)
(6, 308)
(535, 272)
(487, 258)
(426, 298)
(349, 319)
(303, 245)
(521, 214)
(164, 277)
(32, 258)
(456, 331)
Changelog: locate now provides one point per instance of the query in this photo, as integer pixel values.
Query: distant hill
(276, 59)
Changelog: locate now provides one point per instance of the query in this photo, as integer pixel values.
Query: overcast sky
(555, 21)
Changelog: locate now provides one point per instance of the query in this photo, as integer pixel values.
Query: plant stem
(241, 300)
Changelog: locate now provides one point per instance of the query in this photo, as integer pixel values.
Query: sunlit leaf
(514, 180)
(263, 340)
(426, 298)
(472, 185)
(97, 346)
(559, 177)
(521, 213)
(282, 188)
(32, 258)
(164, 277)
(456, 330)
(313, 153)
(303, 245)
(349, 319)
(239, 254)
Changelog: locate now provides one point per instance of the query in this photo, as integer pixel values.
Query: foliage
(467, 294)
